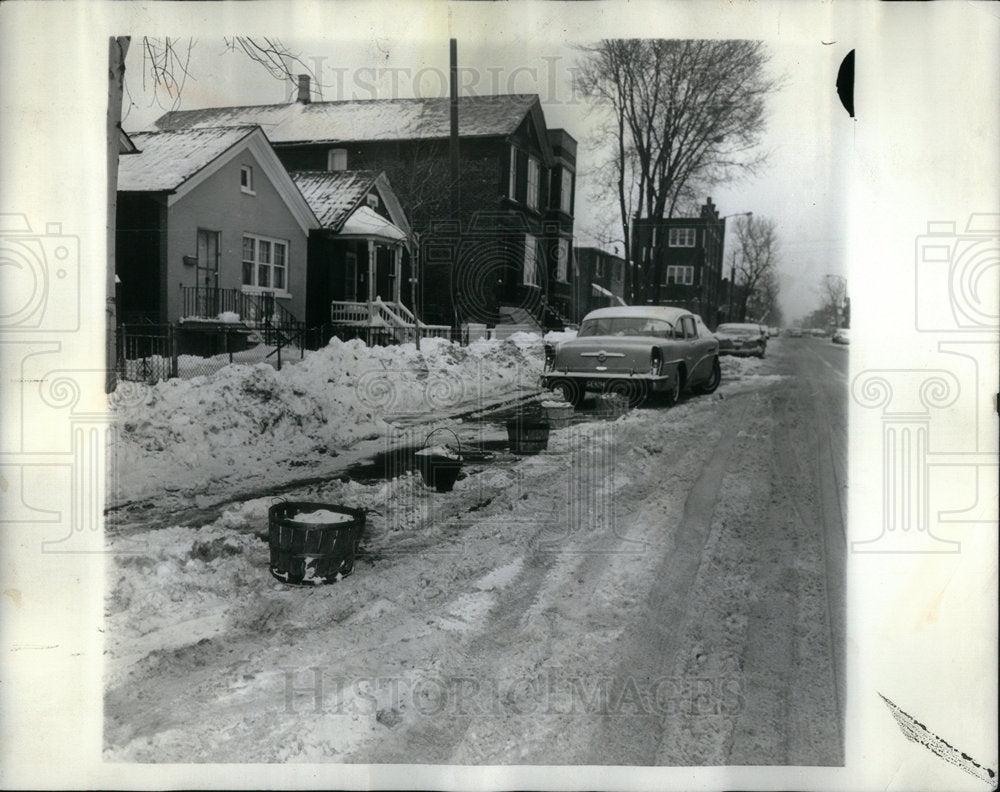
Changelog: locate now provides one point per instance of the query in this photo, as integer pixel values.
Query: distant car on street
(841, 336)
(774, 332)
(794, 332)
(737, 338)
(633, 351)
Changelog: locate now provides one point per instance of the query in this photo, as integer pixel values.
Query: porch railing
(393, 321)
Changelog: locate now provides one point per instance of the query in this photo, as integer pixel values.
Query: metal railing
(385, 323)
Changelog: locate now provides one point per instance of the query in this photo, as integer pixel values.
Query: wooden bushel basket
(311, 554)
(528, 436)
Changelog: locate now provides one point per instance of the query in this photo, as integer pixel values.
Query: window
(336, 159)
(530, 277)
(265, 263)
(246, 179)
(566, 191)
(681, 276)
(532, 199)
(599, 268)
(562, 261)
(372, 200)
(512, 187)
(681, 237)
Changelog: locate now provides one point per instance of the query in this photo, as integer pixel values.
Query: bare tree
(756, 259)
(166, 63)
(834, 291)
(682, 113)
(762, 302)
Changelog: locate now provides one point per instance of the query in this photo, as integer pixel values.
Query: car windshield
(626, 326)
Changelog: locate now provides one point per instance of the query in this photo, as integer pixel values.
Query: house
(210, 229)
(359, 257)
(682, 257)
(504, 253)
(599, 281)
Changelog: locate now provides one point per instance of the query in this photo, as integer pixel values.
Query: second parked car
(741, 339)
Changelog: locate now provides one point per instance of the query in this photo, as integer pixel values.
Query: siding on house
(217, 204)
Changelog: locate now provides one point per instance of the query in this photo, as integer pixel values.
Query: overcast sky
(800, 186)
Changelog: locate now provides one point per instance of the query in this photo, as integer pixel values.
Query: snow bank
(246, 418)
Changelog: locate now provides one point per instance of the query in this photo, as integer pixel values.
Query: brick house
(682, 259)
(507, 255)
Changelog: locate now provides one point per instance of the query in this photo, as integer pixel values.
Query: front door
(208, 273)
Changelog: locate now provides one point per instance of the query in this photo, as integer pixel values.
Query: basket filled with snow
(528, 435)
(558, 413)
(313, 543)
(440, 464)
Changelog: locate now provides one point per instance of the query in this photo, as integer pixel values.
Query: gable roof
(176, 162)
(165, 160)
(334, 196)
(372, 119)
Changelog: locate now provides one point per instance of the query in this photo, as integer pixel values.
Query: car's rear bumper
(598, 380)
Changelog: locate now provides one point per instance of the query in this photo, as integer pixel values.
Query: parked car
(774, 332)
(841, 336)
(741, 339)
(633, 351)
(794, 332)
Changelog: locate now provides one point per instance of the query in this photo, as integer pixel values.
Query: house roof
(366, 224)
(177, 162)
(372, 119)
(333, 195)
(166, 160)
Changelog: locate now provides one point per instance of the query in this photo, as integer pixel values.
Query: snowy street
(664, 588)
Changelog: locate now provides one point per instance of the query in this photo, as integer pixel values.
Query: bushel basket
(437, 470)
(310, 553)
(528, 435)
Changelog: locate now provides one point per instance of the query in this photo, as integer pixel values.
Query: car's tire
(635, 391)
(673, 394)
(715, 378)
(570, 390)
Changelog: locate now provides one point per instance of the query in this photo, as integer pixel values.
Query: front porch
(391, 321)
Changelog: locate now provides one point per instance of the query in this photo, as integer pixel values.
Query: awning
(600, 291)
(368, 224)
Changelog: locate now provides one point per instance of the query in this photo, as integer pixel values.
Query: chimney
(304, 97)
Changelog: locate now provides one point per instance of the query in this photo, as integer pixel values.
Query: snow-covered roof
(600, 291)
(649, 311)
(372, 119)
(333, 195)
(167, 159)
(369, 224)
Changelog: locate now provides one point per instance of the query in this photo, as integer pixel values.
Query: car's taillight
(655, 362)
